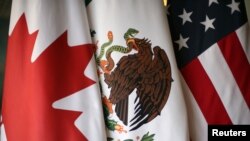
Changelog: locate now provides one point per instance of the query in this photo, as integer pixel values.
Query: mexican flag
(51, 89)
(140, 84)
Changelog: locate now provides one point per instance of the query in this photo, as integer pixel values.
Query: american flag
(211, 40)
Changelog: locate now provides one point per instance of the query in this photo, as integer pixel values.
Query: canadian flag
(51, 89)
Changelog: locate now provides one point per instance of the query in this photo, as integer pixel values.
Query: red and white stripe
(217, 84)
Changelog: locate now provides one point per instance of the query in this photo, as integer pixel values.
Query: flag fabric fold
(211, 43)
(141, 89)
(51, 89)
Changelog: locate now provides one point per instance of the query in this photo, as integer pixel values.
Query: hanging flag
(51, 90)
(211, 42)
(141, 89)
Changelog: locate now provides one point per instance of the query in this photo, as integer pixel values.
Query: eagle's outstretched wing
(123, 80)
(153, 90)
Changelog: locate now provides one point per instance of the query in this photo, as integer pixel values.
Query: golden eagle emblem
(148, 71)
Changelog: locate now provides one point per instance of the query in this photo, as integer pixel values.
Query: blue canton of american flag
(211, 40)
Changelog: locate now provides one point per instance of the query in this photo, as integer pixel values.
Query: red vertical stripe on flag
(205, 93)
(236, 59)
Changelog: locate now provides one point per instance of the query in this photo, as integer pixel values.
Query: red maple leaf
(31, 88)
